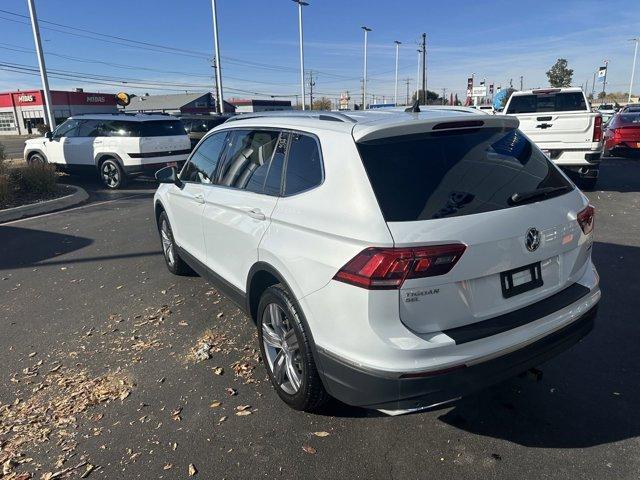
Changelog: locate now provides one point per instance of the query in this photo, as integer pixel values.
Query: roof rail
(320, 115)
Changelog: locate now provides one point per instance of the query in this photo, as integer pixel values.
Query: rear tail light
(387, 268)
(597, 129)
(586, 218)
(617, 134)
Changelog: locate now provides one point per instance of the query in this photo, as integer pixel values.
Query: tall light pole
(395, 96)
(43, 69)
(300, 5)
(218, 62)
(633, 69)
(364, 81)
(418, 82)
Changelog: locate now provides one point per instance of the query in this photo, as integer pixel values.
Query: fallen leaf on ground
(243, 413)
(241, 408)
(218, 370)
(90, 468)
(231, 391)
(215, 404)
(309, 449)
(321, 434)
(167, 466)
(192, 470)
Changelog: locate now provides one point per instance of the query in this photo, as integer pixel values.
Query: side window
(204, 160)
(67, 129)
(304, 165)
(118, 128)
(248, 158)
(90, 128)
(273, 183)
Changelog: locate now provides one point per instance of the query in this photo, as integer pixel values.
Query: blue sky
(496, 39)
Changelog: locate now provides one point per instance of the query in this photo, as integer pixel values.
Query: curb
(79, 195)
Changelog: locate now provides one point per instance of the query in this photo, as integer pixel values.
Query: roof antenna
(415, 108)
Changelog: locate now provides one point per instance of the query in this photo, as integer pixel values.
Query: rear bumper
(361, 387)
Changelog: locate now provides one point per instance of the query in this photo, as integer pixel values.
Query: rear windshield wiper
(521, 197)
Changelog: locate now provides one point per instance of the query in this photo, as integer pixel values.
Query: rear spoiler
(365, 132)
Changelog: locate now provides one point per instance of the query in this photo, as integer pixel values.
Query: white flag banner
(602, 71)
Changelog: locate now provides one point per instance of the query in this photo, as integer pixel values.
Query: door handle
(257, 214)
(198, 198)
(544, 125)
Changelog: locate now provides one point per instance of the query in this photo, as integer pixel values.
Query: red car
(622, 136)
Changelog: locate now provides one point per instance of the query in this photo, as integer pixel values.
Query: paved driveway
(89, 312)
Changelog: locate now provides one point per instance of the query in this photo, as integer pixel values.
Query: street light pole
(43, 69)
(633, 69)
(300, 5)
(218, 61)
(364, 82)
(395, 96)
(418, 82)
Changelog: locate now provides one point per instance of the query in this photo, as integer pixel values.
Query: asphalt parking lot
(88, 311)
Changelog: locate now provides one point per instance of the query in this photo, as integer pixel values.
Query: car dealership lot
(88, 290)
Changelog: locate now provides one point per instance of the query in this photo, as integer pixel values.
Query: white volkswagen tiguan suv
(391, 260)
(115, 146)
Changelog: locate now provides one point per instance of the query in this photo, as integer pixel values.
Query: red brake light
(617, 134)
(585, 219)
(597, 129)
(387, 268)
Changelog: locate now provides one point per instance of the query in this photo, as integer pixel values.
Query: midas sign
(26, 98)
(95, 99)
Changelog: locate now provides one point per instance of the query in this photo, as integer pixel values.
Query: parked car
(607, 110)
(485, 108)
(391, 260)
(622, 136)
(197, 126)
(561, 122)
(116, 146)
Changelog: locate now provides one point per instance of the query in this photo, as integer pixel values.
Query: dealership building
(22, 111)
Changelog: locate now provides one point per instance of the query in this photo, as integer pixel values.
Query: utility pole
(444, 93)
(395, 96)
(300, 5)
(418, 83)
(521, 78)
(407, 80)
(364, 82)
(215, 85)
(48, 107)
(424, 66)
(604, 80)
(633, 69)
(593, 87)
(312, 84)
(217, 47)
(362, 92)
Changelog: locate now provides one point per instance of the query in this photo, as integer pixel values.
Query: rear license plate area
(520, 280)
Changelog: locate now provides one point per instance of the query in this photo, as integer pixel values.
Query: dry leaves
(321, 434)
(215, 404)
(309, 449)
(192, 470)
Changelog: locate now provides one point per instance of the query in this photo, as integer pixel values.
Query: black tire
(112, 174)
(175, 264)
(587, 183)
(310, 393)
(36, 159)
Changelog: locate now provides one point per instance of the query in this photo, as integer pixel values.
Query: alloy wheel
(167, 242)
(282, 349)
(110, 174)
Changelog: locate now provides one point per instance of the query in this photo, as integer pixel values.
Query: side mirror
(48, 135)
(169, 175)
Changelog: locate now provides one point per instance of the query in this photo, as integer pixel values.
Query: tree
(432, 97)
(322, 104)
(456, 101)
(506, 98)
(560, 75)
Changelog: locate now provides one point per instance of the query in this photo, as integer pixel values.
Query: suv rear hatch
(470, 186)
(554, 119)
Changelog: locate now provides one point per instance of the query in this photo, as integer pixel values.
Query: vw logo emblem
(532, 239)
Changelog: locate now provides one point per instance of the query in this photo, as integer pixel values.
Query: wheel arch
(158, 208)
(100, 157)
(29, 153)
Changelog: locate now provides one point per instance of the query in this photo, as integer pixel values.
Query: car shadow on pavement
(619, 174)
(25, 247)
(588, 395)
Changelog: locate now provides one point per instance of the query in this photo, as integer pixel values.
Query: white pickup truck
(562, 124)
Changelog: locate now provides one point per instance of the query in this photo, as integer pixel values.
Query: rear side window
(454, 173)
(304, 165)
(204, 160)
(117, 128)
(547, 102)
(160, 128)
(248, 159)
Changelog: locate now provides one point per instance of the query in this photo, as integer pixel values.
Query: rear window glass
(629, 118)
(160, 128)
(450, 174)
(547, 102)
